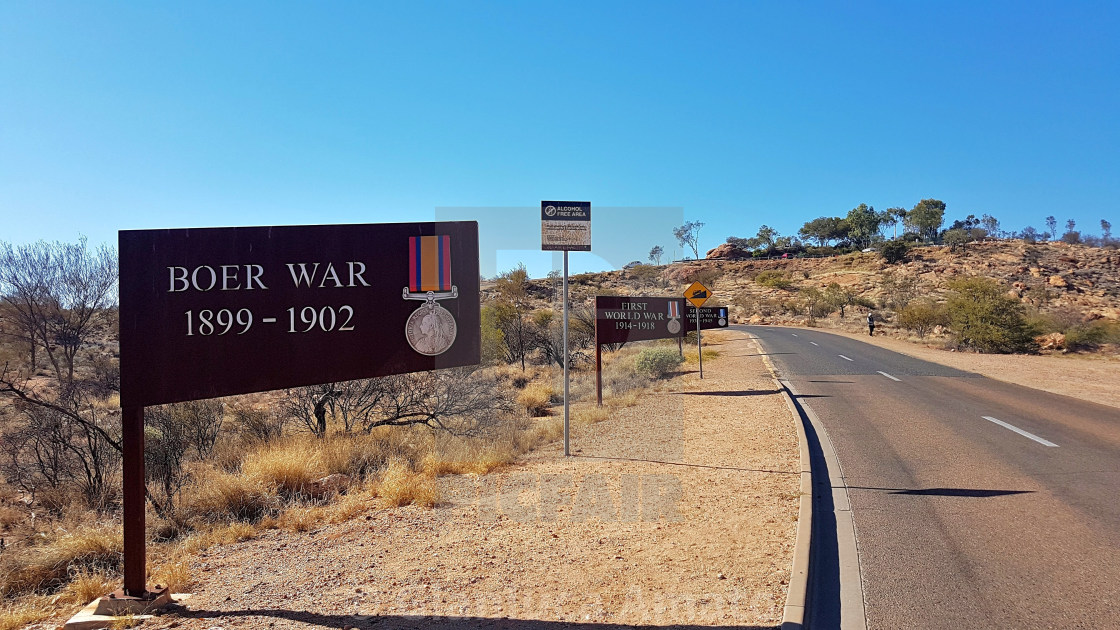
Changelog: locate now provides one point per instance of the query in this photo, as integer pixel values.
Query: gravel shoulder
(680, 510)
(1088, 377)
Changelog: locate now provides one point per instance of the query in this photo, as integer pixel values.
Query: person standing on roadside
(871, 324)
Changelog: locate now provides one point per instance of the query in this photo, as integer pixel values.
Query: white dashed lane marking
(814, 343)
(844, 357)
(889, 376)
(1021, 432)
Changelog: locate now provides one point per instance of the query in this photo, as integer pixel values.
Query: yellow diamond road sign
(697, 294)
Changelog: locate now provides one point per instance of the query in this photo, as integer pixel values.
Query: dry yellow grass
(127, 621)
(106, 404)
(542, 431)
(350, 505)
(174, 574)
(297, 519)
(221, 535)
(401, 486)
(536, 398)
(709, 354)
(10, 516)
(289, 466)
(25, 611)
(219, 496)
(87, 586)
(49, 566)
(589, 415)
(476, 458)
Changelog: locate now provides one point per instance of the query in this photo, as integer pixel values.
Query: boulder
(1058, 281)
(1053, 341)
(728, 251)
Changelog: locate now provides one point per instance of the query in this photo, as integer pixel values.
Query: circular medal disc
(430, 330)
(674, 326)
(722, 322)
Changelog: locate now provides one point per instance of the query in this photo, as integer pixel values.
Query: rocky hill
(1049, 277)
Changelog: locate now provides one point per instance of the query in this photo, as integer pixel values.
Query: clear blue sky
(142, 115)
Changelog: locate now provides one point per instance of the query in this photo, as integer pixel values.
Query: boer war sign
(621, 319)
(710, 317)
(219, 311)
(566, 226)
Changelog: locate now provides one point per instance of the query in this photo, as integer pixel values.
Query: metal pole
(567, 434)
(598, 372)
(699, 351)
(135, 562)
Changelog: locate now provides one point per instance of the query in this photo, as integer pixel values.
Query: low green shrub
(773, 279)
(983, 317)
(658, 362)
(922, 316)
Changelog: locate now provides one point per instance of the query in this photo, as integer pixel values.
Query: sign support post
(566, 226)
(135, 561)
(567, 452)
(598, 365)
(699, 350)
(697, 294)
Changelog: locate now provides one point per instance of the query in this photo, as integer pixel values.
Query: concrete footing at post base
(102, 612)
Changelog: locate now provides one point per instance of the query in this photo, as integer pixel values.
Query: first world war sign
(214, 312)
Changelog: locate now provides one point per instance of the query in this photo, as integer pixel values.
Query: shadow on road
(747, 392)
(654, 461)
(947, 492)
(419, 621)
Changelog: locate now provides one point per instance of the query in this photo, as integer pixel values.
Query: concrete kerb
(793, 615)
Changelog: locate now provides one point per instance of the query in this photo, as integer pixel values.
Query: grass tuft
(50, 566)
(536, 398)
(401, 486)
(220, 496)
(290, 466)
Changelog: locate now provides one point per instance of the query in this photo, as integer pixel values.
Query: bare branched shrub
(464, 401)
(262, 425)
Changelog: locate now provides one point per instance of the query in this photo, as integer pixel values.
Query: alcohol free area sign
(566, 226)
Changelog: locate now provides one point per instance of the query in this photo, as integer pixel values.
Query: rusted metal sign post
(620, 319)
(214, 312)
(566, 226)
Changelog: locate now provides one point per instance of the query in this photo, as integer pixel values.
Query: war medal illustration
(674, 324)
(431, 329)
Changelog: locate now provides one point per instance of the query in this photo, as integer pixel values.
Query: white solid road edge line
(1021, 432)
(889, 376)
(845, 358)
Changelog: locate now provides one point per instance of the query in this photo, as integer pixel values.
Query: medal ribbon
(429, 263)
(674, 310)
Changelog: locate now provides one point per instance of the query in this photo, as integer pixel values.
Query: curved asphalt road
(976, 503)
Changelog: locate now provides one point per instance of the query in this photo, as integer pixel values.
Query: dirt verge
(681, 509)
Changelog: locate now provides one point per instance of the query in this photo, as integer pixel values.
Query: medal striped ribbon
(674, 310)
(429, 263)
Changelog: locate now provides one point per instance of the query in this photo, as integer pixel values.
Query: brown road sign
(621, 319)
(218, 311)
(697, 294)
